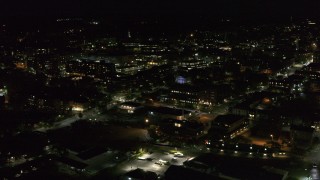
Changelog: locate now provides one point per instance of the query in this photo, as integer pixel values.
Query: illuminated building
(99, 69)
(311, 75)
(293, 83)
(258, 105)
(192, 64)
(182, 80)
(4, 98)
(229, 125)
(181, 128)
(129, 70)
(77, 106)
(160, 113)
(130, 107)
(184, 94)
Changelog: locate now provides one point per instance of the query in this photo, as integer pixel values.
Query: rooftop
(245, 168)
(228, 119)
(73, 163)
(171, 111)
(179, 172)
(302, 128)
(314, 65)
(141, 174)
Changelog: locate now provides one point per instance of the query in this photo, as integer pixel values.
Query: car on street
(178, 154)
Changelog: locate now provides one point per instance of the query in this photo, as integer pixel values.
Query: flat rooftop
(228, 119)
(171, 111)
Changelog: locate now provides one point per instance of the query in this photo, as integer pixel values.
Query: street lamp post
(271, 135)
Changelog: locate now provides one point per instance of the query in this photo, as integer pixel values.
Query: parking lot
(156, 162)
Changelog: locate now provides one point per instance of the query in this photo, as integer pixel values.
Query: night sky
(135, 7)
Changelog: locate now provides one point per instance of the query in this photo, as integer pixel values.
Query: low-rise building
(181, 129)
(228, 126)
(190, 95)
(97, 69)
(139, 174)
(159, 113)
(302, 136)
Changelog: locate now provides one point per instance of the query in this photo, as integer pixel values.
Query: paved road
(91, 114)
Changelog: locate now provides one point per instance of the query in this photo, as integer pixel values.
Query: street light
(271, 137)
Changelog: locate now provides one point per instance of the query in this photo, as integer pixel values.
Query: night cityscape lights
(160, 90)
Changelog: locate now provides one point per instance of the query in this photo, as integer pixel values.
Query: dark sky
(236, 8)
